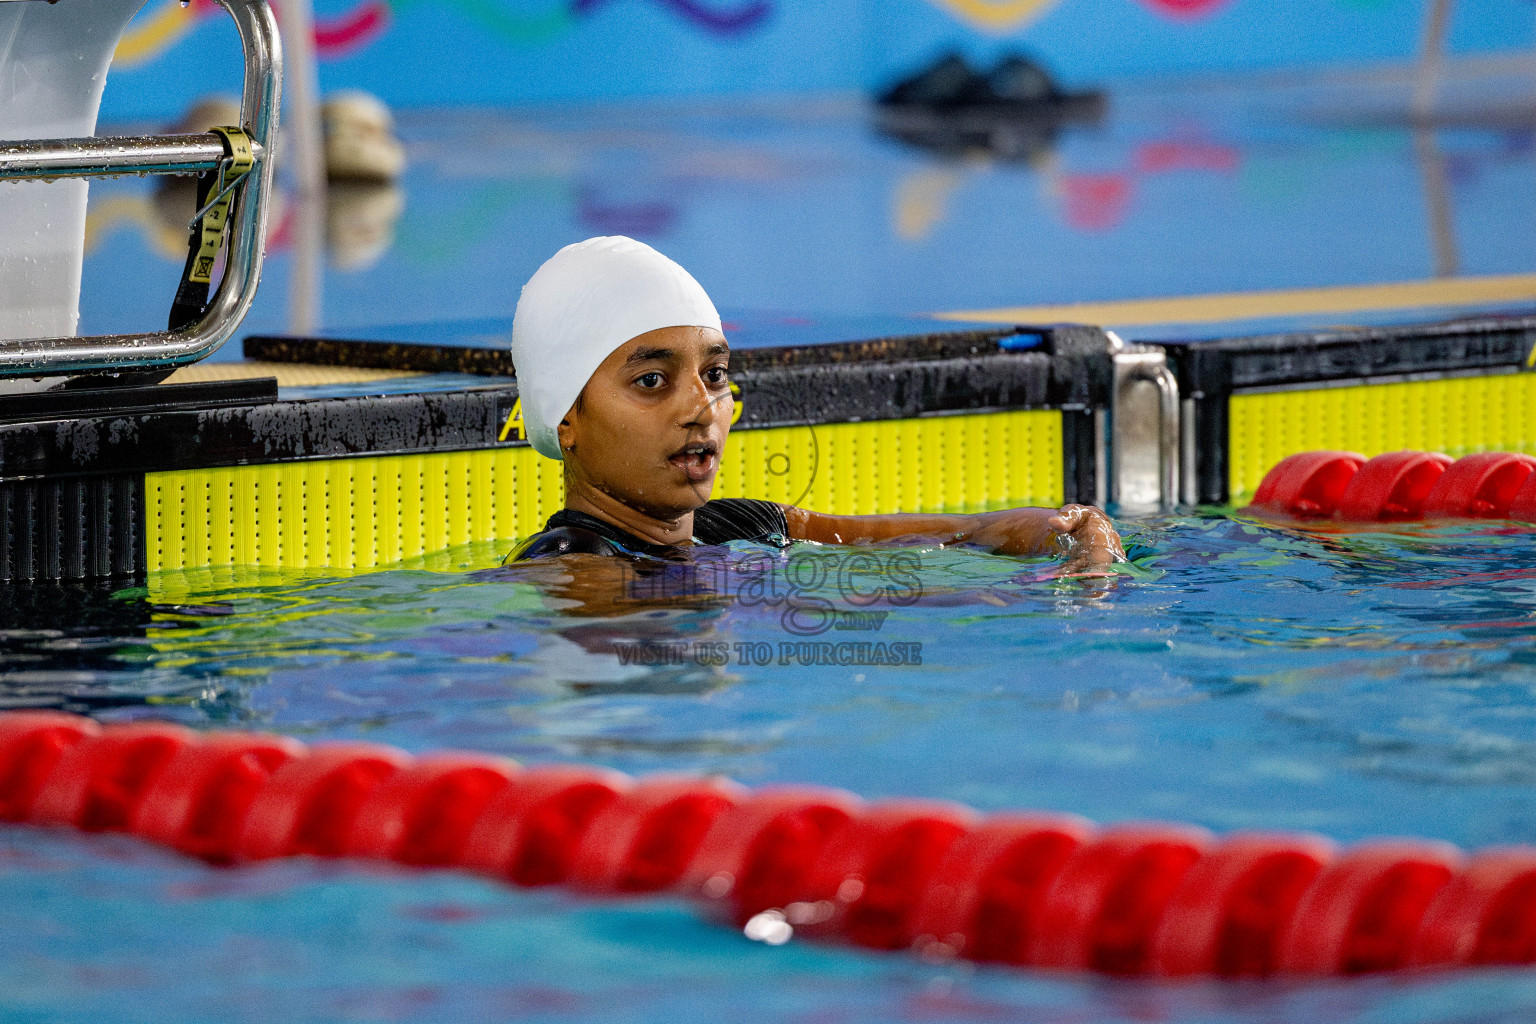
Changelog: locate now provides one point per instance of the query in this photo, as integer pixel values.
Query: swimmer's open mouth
(697, 459)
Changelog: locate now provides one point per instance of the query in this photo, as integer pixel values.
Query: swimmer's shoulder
(750, 519)
(715, 522)
(562, 540)
(569, 532)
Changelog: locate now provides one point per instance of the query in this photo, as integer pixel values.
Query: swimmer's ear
(566, 433)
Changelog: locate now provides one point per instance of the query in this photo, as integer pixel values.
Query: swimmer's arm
(1011, 531)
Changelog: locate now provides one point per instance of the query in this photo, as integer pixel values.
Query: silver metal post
(42, 357)
(1189, 480)
(1144, 440)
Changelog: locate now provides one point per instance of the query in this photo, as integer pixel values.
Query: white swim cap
(578, 308)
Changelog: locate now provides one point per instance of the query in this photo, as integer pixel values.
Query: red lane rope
(1401, 486)
(1048, 891)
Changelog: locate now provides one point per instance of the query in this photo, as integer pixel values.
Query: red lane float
(1392, 487)
(1362, 913)
(759, 854)
(1482, 486)
(1485, 915)
(97, 784)
(645, 840)
(31, 745)
(528, 835)
(1523, 508)
(422, 815)
(873, 870)
(309, 805)
(1103, 909)
(1037, 890)
(199, 802)
(1400, 486)
(985, 899)
(1229, 913)
(1309, 483)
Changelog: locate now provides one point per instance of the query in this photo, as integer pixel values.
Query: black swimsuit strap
(716, 522)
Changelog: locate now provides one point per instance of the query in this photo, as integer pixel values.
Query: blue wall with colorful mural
(435, 52)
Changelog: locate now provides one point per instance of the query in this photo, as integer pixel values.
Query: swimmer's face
(651, 423)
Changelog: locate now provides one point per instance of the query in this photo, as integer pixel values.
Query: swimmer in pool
(621, 364)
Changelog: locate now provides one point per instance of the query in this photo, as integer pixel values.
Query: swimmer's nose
(704, 408)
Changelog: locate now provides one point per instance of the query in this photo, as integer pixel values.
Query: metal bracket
(173, 154)
(1144, 438)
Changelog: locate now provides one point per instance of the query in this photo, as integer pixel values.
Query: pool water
(1236, 675)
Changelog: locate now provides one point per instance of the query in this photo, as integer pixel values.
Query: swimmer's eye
(716, 375)
(650, 381)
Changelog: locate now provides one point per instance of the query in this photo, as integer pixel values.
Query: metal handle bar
(56, 158)
(94, 157)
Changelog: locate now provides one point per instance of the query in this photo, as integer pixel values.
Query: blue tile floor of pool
(1237, 675)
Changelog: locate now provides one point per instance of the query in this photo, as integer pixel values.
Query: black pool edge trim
(497, 362)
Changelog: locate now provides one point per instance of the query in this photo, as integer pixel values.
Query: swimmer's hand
(1083, 532)
(1089, 538)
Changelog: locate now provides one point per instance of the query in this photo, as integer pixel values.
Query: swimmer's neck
(582, 497)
